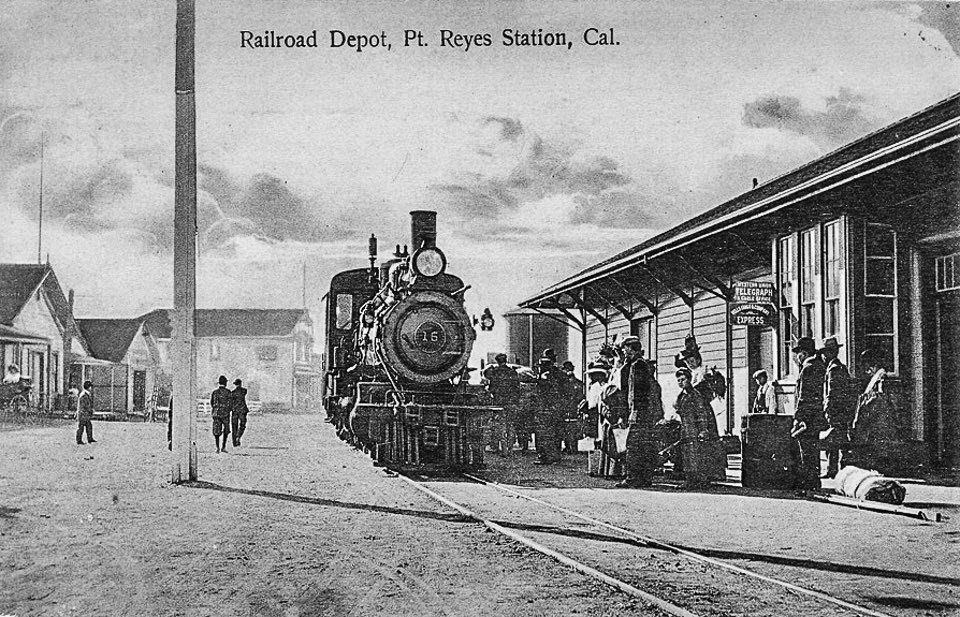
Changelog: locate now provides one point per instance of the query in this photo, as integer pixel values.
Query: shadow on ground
(779, 560)
(317, 501)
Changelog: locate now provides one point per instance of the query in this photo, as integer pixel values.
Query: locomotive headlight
(429, 261)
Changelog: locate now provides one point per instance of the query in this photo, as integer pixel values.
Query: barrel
(767, 451)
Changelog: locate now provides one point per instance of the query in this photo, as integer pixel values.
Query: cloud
(527, 180)
(266, 205)
(510, 128)
(943, 17)
(842, 120)
(621, 209)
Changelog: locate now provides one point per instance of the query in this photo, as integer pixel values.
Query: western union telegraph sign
(752, 304)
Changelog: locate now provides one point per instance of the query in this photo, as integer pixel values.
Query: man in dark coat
(503, 384)
(839, 403)
(220, 412)
(634, 382)
(551, 388)
(238, 411)
(808, 418)
(85, 414)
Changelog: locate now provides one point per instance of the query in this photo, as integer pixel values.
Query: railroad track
(675, 580)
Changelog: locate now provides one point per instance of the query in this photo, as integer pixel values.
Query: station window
(880, 291)
(267, 353)
(810, 266)
(832, 277)
(948, 272)
(808, 282)
(786, 273)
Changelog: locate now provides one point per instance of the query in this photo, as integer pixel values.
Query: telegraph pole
(43, 137)
(185, 254)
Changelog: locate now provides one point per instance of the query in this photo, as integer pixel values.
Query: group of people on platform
(547, 404)
(622, 395)
(829, 414)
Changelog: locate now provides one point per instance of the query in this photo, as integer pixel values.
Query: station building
(862, 244)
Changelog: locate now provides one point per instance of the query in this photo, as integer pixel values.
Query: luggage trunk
(767, 451)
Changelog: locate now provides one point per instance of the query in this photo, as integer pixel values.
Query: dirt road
(291, 524)
(295, 523)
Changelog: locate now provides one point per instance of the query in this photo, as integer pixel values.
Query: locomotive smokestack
(373, 258)
(423, 229)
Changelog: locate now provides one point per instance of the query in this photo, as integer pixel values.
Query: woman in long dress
(703, 457)
(873, 422)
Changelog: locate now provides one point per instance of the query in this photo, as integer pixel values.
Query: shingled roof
(158, 322)
(230, 322)
(17, 282)
(247, 322)
(109, 339)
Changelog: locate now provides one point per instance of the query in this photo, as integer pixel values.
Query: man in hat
(551, 387)
(85, 414)
(634, 382)
(220, 412)
(839, 402)
(808, 419)
(503, 384)
(238, 411)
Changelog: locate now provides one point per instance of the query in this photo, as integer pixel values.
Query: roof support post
(746, 245)
(584, 307)
(620, 309)
(559, 320)
(572, 318)
(680, 294)
(634, 296)
(723, 294)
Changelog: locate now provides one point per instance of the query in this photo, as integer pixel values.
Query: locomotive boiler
(398, 345)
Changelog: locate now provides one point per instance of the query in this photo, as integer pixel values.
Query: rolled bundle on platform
(869, 486)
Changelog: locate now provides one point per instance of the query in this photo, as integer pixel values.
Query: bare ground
(295, 523)
(291, 524)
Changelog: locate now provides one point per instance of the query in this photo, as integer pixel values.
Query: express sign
(752, 304)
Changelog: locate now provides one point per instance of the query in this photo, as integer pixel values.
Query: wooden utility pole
(43, 138)
(185, 255)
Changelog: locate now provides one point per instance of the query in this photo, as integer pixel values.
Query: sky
(540, 161)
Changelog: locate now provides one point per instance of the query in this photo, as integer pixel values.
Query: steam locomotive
(398, 341)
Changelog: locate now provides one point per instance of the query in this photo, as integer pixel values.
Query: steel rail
(680, 551)
(660, 603)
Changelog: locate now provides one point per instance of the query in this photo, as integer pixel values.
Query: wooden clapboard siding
(596, 333)
(710, 328)
(673, 324)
